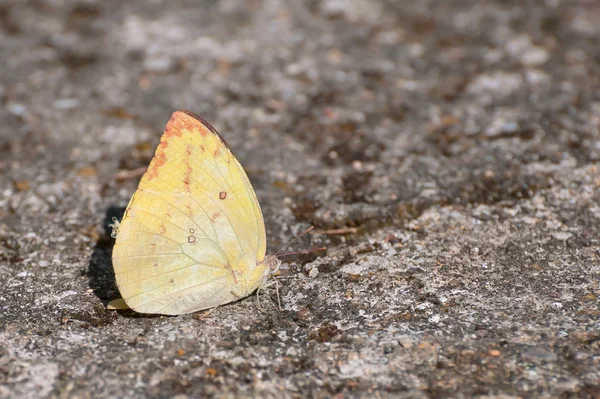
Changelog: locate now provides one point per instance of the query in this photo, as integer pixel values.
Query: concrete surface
(447, 152)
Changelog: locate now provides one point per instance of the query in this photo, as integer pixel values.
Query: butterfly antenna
(304, 251)
(294, 239)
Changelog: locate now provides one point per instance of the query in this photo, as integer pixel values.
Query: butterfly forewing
(193, 230)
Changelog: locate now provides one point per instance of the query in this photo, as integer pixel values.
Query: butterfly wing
(193, 235)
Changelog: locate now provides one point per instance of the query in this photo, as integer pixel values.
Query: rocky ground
(446, 151)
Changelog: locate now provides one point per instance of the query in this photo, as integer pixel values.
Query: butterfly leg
(115, 227)
(265, 285)
(277, 285)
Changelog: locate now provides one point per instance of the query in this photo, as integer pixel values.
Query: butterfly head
(273, 264)
(265, 269)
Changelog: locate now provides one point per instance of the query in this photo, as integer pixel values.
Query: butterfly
(193, 235)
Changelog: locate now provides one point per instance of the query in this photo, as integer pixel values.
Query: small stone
(303, 314)
(358, 165)
(66, 103)
(22, 185)
(537, 355)
(494, 353)
(562, 236)
(16, 109)
(159, 64)
(406, 342)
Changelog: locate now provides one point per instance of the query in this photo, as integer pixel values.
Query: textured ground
(455, 142)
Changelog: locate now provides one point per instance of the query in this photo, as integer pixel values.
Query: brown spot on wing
(223, 195)
(188, 172)
(214, 216)
(162, 230)
(193, 120)
(185, 120)
(170, 131)
(159, 160)
(192, 117)
(233, 272)
(186, 179)
(173, 126)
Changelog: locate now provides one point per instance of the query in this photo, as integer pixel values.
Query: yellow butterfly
(193, 235)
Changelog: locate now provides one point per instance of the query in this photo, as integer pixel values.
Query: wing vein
(236, 233)
(150, 233)
(213, 162)
(178, 209)
(195, 260)
(173, 293)
(216, 240)
(166, 272)
(150, 256)
(165, 220)
(185, 289)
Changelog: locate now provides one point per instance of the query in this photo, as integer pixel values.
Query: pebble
(537, 355)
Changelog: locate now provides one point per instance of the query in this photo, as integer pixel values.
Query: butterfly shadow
(100, 272)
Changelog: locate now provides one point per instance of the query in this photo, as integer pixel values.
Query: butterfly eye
(274, 264)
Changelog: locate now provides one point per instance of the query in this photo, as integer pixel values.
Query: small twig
(128, 174)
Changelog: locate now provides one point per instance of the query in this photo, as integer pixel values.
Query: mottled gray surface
(456, 142)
